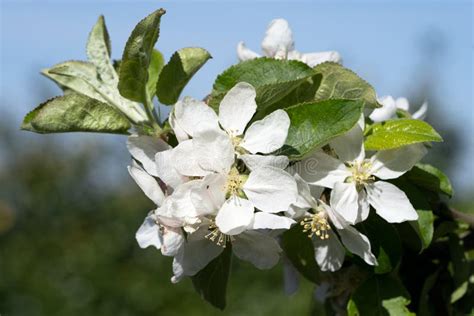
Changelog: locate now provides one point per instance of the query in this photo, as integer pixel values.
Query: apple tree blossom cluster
(291, 158)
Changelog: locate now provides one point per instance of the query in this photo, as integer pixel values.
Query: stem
(149, 112)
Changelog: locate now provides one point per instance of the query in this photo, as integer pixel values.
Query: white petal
(390, 202)
(322, 169)
(261, 250)
(350, 146)
(403, 104)
(313, 59)
(334, 217)
(180, 202)
(244, 53)
(264, 220)
(268, 134)
(237, 108)
(191, 113)
(235, 216)
(277, 38)
(329, 253)
(185, 159)
(271, 189)
(173, 240)
(256, 161)
(386, 112)
(209, 196)
(179, 132)
(345, 201)
(147, 183)
(306, 198)
(214, 150)
(358, 244)
(149, 233)
(390, 164)
(165, 169)
(196, 254)
(421, 113)
(143, 148)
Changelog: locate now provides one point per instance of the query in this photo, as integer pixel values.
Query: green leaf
(400, 132)
(154, 70)
(315, 124)
(99, 50)
(425, 308)
(430, 178)
(341, 83)
(384, 241)
(178, 71)
(211, 282)
(300, 251)
(380, 295)
(75, 113)
(137, 56)
(272, 79)
(75, 83)
(460, 267)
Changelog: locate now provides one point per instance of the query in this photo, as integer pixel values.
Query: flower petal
(244, 53)
(390, 164)
(350, 146)
(329, 253)
(179, 132)
(197, 252)
(420, 114)
(322, 169)
(386, 112)
(345, 200)
(261, 250)
(147, 183)
(191, 113)
(149, 234)
(402, 103)
(235, 216)
(313, 59)
(390, 202)
(268, 134)
(185, 160)
(334, 217)
(358, 244)
(143, 148)
(214, 149)
(173, 240)
(209, 196)
(237, 108)
(278, 37)
(256, 161)
(264, 220)
(271, 189)
(307, 195)
(165, 169)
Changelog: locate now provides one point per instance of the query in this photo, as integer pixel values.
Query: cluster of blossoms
(222, 185)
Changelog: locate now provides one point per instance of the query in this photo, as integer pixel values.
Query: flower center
(361, 172)
(316, 224)
(216, 236)
(234, 183)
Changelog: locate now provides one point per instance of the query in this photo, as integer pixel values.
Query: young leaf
(430, 178)
(385, 242)
(178, 71)
(154, 70)
(461, 269)
(74, 83)
(341, 83)
(75, 113)
(99, 50)
(315, 124)
(137, 56)
(211, 282)
(273, 80)
(300, 251)
(380, 295)
(399, 132)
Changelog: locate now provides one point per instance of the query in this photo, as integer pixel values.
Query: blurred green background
(69, 210)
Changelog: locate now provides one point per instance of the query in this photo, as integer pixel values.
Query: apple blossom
(390, 106)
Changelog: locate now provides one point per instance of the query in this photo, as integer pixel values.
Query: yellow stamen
(216, 236)
(316, 224)
(234, 182)
(361, 172)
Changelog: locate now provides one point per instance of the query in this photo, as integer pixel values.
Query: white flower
(329, 252)
(278, 43)
(390, 106)
(355, 178)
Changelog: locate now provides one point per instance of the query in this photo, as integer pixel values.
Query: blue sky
(394, 45)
